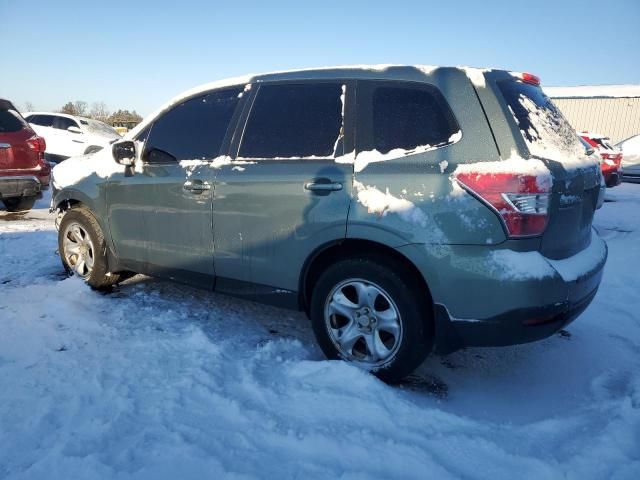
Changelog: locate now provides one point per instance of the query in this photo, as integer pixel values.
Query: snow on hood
(74, 169)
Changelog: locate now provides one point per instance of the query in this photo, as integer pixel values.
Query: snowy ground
(159, 381)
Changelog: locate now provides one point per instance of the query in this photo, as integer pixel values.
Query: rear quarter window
(403, 115)
(11, 121)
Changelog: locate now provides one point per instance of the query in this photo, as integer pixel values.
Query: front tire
(83, 249)
(19, 204)
(366, 312)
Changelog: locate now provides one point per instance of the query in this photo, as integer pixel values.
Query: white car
(630, 158)
(68, 135)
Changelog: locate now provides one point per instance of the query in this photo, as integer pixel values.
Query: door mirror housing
(73, 129)
(124, 152)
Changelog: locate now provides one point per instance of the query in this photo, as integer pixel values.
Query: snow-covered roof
(591, 91)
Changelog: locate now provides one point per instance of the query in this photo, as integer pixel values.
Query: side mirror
(73, 129)
(124, 152)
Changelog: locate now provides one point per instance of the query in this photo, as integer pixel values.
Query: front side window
(407, 116)
(294, 121)
(62, 123)
(194, 129)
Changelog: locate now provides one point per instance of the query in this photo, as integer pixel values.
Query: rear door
(284, 194)
(576, 179)
(160, 217)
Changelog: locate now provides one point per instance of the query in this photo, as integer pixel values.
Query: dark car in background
(23, 170)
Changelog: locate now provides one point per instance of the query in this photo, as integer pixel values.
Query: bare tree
(99, 111)
(80, 107)
(28, 106)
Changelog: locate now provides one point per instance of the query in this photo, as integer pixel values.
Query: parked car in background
(611, 156)
(68, 135)
(23, 170)
(630, 158)
(459, 215)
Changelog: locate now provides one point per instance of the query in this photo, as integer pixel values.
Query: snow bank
(157, 380)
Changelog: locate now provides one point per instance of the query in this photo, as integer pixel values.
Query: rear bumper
(19, 186)
(527, 297)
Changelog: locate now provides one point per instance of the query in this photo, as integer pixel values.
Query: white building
(612, 110)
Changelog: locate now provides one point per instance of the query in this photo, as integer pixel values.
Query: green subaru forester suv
(405, 209)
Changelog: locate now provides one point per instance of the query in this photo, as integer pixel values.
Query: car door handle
(78, 141)
(323, 186)
(196, 186)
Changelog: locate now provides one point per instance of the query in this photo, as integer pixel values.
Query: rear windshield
(547, 133)
(11, 121)
(101, 128)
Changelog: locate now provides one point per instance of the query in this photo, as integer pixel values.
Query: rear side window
(11, 121)
(195, 129)
(407, 116)
(546, 131)
(294, 121)
(42, 120)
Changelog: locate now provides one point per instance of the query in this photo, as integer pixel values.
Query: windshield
(100, 128)
(547, 133)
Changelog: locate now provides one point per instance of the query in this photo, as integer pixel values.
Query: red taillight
(530, 78)
(37, 143)
(522, 201)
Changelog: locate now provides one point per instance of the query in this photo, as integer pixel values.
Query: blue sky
(139, 54)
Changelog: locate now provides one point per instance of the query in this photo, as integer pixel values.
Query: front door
(284, 194)
(160, 218)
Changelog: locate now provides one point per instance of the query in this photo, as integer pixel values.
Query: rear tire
(369, 313)
(83, 250)
(19, 204)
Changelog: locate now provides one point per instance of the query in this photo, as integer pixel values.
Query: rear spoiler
(6, 105)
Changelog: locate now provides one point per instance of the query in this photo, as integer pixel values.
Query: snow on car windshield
(102, 129)
(547, 133)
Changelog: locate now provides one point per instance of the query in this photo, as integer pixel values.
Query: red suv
(23, 170)
(611, 163)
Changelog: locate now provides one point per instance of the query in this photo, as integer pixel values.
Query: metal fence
(618, 118)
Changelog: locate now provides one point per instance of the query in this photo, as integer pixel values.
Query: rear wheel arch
(333, 252)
